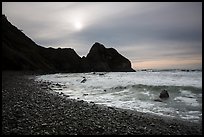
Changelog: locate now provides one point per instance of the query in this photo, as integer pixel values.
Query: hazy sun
(78, 25)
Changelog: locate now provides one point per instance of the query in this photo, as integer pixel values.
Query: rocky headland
(19, 52)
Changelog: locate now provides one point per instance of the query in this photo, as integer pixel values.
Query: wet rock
(158, 100)
(61, 93)
(81, 101)
(152, 124)
(164, 94)
(103, 59)
(58, 84)
(66, 95)
(84, 80)
(44, 124)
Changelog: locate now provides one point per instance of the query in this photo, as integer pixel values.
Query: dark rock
(152, 124)
(164, 94)
(159, 100)
(81, 101)
(19, 52)
(61, 93)
(58, 85)
(103, 59)
(84, 80)
(85, 67)
(66, 95)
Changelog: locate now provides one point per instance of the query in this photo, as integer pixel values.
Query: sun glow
(78, 25)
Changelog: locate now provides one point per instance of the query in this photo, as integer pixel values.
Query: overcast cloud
(143, 32)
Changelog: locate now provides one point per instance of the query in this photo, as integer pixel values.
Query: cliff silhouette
(19, 52)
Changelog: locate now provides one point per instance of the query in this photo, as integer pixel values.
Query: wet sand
(29, 108)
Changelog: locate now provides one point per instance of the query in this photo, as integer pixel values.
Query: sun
(78, 25)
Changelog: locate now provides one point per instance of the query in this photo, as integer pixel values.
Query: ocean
(135, 90)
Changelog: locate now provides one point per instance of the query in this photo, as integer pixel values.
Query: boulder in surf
(164, 94)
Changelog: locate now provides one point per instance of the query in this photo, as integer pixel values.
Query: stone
(84, 80)
(164, 94)
(66, 95)
(103, 59)
(61, 93)
(159, 100)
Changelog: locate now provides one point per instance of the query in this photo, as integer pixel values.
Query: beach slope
(28, 108)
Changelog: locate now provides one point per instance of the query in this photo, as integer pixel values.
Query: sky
(152, 35)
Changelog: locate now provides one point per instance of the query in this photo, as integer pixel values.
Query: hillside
(19, 52)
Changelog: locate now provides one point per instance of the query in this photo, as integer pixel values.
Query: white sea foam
(187, 93)
(188, 101)
(136, 91)
(115, 79)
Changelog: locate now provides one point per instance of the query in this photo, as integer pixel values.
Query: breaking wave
(136, 91)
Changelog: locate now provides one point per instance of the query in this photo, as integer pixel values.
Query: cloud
(140, 31)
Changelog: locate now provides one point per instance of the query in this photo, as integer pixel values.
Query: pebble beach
(30, 108)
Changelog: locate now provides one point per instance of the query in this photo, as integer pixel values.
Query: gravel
(29, 108)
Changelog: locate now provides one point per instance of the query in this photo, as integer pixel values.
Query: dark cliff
(19, 52)
(107, 59)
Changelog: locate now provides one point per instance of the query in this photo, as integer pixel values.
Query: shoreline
(28, 108)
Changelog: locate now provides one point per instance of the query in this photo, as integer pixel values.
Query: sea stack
(103, 59)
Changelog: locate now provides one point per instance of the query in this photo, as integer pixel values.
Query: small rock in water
(81, 101)
(61, 93)
(58, 84)
(164, 94)
(66, 95)
(84, 80)
(159, 100)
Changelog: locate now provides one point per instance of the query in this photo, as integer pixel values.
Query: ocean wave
(142, 87)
